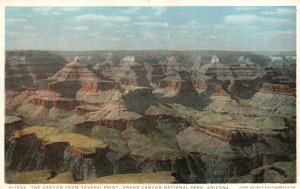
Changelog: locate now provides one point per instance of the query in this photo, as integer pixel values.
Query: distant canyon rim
(150, 117)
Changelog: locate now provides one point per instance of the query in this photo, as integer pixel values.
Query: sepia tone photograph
(150, 94)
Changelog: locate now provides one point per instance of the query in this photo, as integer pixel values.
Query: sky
(150, 28)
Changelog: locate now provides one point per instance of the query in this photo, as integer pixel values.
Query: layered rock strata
(46, 147)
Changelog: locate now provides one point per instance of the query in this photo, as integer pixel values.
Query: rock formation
(74, 85)
(75, 76)
(155, 73)
(46, 147)
(216, 69)
(197, 64)
(12, 124)
(149, 119)
(172, 64)
(280, 96)
(131, 73)
(24, 68)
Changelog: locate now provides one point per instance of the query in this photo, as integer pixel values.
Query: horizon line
(151, 50)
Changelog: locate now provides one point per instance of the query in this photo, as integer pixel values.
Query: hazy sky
(180, 28)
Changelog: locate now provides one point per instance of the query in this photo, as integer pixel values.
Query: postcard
(149, 96)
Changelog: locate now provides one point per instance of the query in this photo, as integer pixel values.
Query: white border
(33, 3)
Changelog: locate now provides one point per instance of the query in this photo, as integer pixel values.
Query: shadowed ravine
(132, 120)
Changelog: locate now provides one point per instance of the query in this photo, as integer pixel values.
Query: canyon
(125, 118)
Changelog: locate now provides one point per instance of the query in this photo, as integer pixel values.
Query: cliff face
(72, 77)
(101, 85)
(118, 123)
(75, 71)
(198, 84)
(59, 154)
(45, 105)
(246, 71)
(66, 88)
(278, 89)
(280, 96)
(84, 109)
(134, 74)
(145, 96)
(282, 172)
(65, 104)
(219, 91)
(169, 84)
(24, 68)
(12, 124)
(18, 82)
(155, 73)
(237, 152)
(13, 100)
(217, 70)
(280, 74)
(219, 123)
(72, 86)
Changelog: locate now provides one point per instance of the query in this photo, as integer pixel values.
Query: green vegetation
(49, 135)
(83, 144)
(40, 131)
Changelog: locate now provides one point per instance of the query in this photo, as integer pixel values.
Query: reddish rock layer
(198, 84)
(75, 71)
(60, 86)
(43, 147)
(176, 85)
(82, 110)
(219, 91)
(66, 104)
(11, 95)
(131, 74)
(155, 72)
(99, 86)
(229, 135)
(278, 89)
(120, 124)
